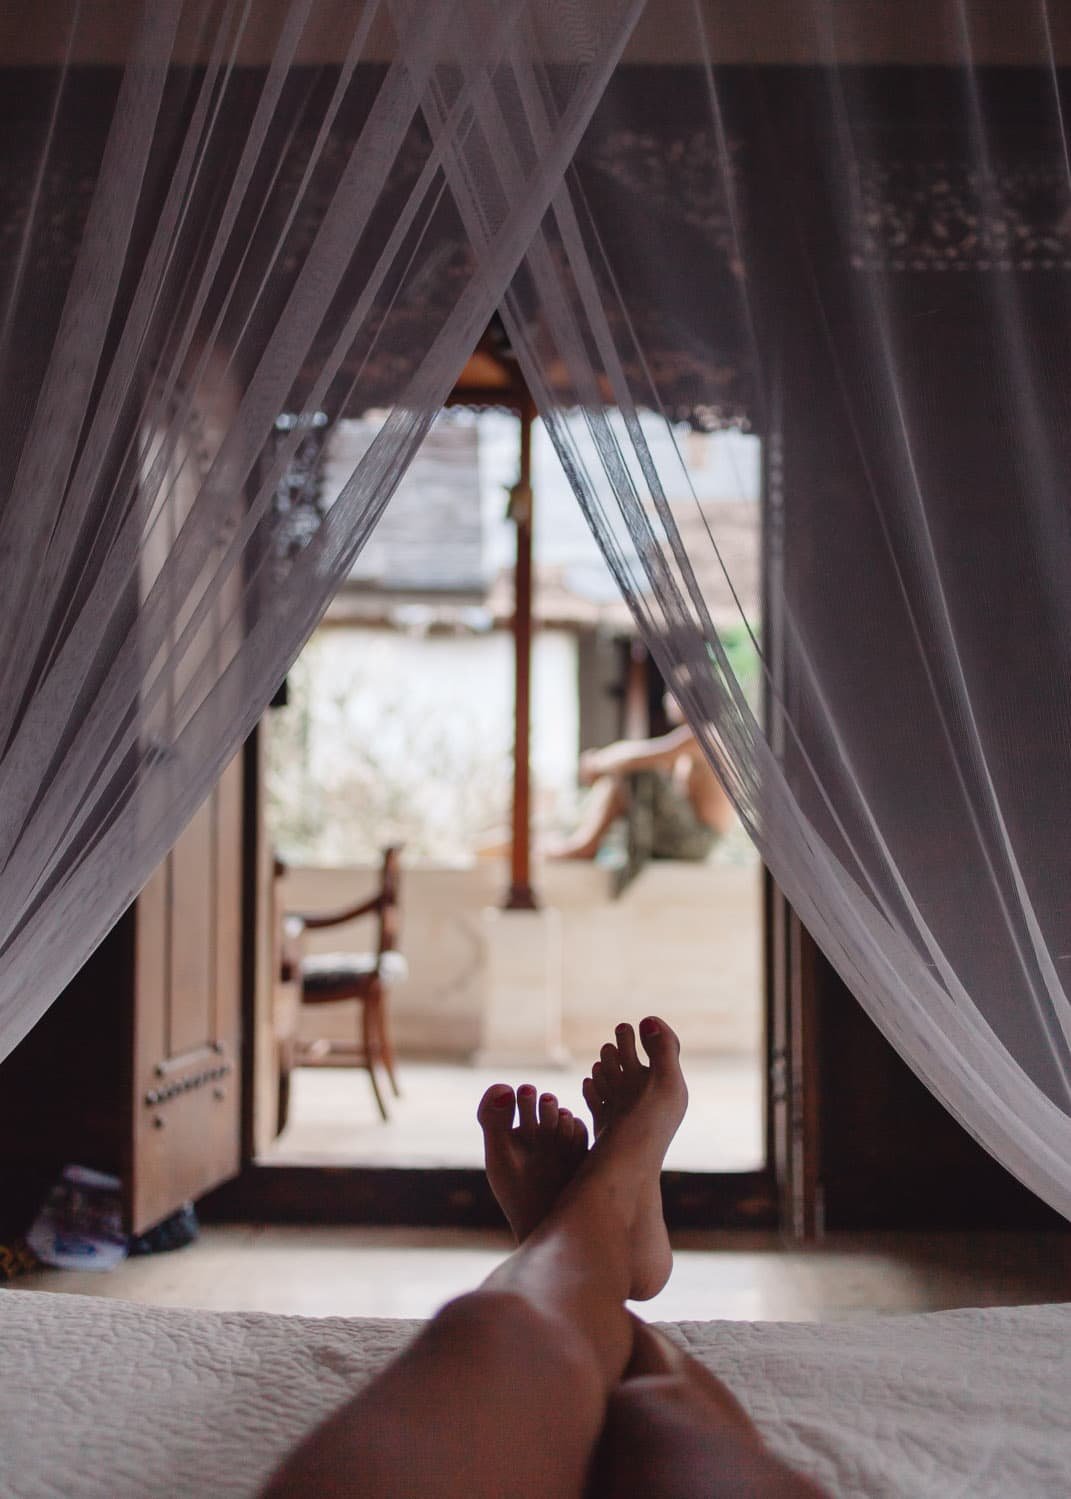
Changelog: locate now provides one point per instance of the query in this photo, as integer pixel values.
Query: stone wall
(685, 939)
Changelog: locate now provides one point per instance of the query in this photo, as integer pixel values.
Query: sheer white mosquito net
(844, 226)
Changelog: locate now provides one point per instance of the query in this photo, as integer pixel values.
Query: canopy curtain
(845, 226)
(864, 256)
(223, 224)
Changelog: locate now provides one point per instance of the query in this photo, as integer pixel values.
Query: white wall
(411, 737)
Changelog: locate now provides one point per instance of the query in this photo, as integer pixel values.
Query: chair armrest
(313, 922)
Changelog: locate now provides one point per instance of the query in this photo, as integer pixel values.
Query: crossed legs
(674, 1431)
(541, 1383)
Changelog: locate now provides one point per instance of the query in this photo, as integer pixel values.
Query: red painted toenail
(502, 1100)
(527, 1089)
(650, 1027)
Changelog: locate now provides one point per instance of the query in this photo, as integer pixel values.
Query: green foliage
(743, 658)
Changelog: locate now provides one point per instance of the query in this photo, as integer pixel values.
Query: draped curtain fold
(848, 233)
(231, 213)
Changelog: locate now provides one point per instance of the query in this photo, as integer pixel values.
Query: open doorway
(397, 728)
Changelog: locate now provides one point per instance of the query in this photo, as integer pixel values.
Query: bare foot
(528, 1166)
(636, 1112)
(565, 848)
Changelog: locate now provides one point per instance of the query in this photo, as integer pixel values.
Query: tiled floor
(334, 1120)
(408, 1273)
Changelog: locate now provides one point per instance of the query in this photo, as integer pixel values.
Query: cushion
(324, 972)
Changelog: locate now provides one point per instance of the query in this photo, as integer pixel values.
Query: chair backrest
(390, 901)
(290, 927)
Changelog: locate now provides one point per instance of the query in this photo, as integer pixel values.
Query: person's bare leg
(606, 802)
(504, 1393)
(674, 1431)
(672, 1428)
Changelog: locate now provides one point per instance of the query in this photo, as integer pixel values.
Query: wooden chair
(333, 978)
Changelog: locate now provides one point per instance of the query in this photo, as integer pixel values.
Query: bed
(110, 1399)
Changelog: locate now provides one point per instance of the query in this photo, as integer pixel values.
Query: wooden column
(521, 896)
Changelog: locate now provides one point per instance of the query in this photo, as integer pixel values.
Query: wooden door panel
(191, 956)
(187, 1021)
(226, 1015)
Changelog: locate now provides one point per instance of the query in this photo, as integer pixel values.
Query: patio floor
(333, 1117)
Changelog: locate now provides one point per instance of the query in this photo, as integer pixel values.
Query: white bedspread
(104, 1398)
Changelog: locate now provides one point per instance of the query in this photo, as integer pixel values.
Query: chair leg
(370, 1040)
(285, 1066)
(387, 1046)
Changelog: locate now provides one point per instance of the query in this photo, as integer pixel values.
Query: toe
(526, 1109)
(660, 1043)
(565, 1126)
(495, 1112)
(580, 1136)
(548, 1113)
(626, 1048)
(594, 1101)
(598, 1078)
(611, 1065)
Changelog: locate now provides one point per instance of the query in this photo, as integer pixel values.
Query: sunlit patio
(334, 1120)
(531, 996)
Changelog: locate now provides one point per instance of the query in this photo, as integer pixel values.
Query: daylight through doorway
(397, 728)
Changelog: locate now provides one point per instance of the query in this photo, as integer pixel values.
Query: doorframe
(793, 1121)
(268, 1192)
(779, 1195)
(793, 1096)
